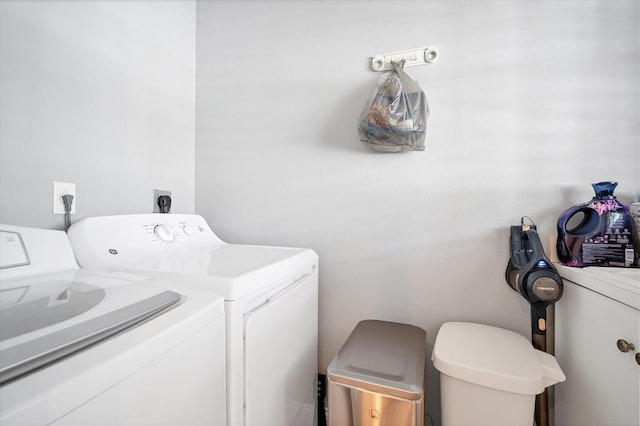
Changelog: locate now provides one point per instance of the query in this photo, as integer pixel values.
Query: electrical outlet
(60, 189)
(156, 194)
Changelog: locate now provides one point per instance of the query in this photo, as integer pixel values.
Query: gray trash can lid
(383, 357)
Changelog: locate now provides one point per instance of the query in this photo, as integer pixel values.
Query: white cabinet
(603, 383)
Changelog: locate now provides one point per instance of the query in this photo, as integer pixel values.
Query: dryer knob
(188, 230)
(164, 233)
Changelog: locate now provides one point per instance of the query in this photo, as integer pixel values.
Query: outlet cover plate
(59, 189)
(156, 194)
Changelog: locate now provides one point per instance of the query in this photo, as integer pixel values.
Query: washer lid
(494, 358)
(383, 357)
(48, 316)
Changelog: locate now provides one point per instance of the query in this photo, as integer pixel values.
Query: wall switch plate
(60, 189)
(156, 194)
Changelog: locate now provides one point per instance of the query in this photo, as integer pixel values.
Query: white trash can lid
(494, 358)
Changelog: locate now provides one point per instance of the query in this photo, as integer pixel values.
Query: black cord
(430, 418)
(322, 393)
(67, 200)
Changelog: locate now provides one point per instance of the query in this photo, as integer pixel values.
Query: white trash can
(377, 377)
(490, 376)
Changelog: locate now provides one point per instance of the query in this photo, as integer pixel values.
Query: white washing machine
(85, 348)
(271, 304)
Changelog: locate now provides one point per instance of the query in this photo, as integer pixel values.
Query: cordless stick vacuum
(531, 273)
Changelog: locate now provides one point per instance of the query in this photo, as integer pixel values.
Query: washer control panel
(172, 232)
(130, 239)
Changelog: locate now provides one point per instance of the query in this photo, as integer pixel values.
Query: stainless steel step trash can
(377, 377)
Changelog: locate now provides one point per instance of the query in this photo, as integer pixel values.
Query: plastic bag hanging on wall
(395, 118)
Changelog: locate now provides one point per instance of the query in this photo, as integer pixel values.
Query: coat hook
(412, 57)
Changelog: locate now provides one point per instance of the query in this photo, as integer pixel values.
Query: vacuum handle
(518, 252)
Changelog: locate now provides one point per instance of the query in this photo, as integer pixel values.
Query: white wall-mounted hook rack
(412, 57)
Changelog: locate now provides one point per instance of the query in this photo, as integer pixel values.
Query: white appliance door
(281, 357)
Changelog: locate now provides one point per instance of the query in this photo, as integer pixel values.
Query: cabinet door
(602, 386)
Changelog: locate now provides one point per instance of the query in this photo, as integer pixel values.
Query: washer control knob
(164, 233)
(188, 230)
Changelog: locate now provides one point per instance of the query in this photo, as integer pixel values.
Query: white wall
(531, 102)
(99, 93)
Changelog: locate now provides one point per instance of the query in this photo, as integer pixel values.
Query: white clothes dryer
(271, 304)
(79, 347)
